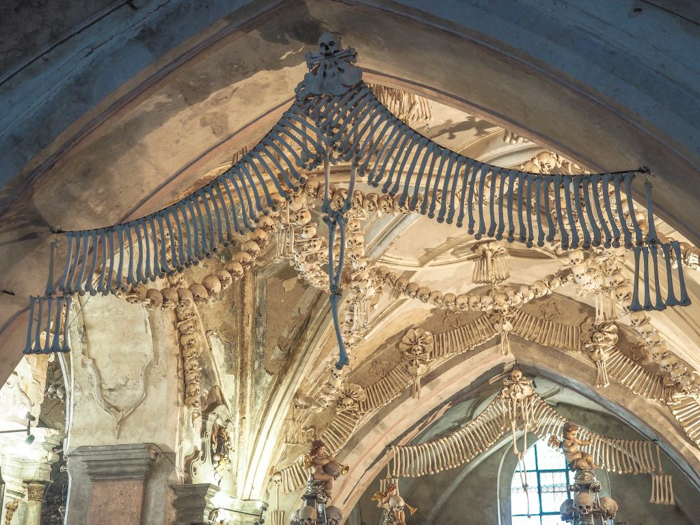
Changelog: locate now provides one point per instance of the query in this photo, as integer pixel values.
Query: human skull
(575, 257)
(225, 278)
(267, 224)
(500, 300)
(462, 302)
(185, 298)
(424, 294)
(354, 225)
(193, 390)
(244, 259)
(199, 292)
(412, 289)
(360, 265)
(371, 202)
(338, 199)
(235, 269)
(579, 271)
(392, 277)
(436, 298)
(402, 283)
(515, 298)
(188, 340)
(527, 293)
(301, 218)
(637, 318)
(212, 284)
(356, 252)
(279, 201)
(308, 515)
(329, 44)
(449, 300)
(137, 294)
(609, 507)
(474, 302)
(312, 188)
(294, 518)
(567, 510)
(297, 202)
(381, 273)
(668, 361)
(308, 230)
(486, 302)
(251, 247)
(584, 503)
(617, 279)
(333, 515)
(170, 298)
(261, 237)
(187, 326)
(547, 161)
(154, 298)
(553, 282)
(540, 289)
(623, 293)
(386, 204)
(645, 328)
(356, 239)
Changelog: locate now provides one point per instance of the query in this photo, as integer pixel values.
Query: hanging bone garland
(661, 485)
(519, 408)
(47, 330)
(335, 110)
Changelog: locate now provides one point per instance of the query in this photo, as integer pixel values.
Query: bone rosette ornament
(331, 69)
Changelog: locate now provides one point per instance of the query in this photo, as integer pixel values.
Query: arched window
(548, 481)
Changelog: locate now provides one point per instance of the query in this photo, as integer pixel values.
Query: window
(548, 481)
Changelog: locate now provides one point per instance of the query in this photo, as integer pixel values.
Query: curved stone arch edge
(648, 418)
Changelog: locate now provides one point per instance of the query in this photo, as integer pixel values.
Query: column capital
(35, 490)
(193, 503)
(117, 462)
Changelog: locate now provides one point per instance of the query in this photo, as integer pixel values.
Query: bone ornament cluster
(678, 375)
(500, 299)
(189, 334)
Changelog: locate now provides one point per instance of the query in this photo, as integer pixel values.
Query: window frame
(538, 473)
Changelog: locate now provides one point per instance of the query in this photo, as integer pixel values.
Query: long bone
(495, 174)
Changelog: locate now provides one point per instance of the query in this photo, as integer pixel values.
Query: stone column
(35, 495)
(116, 475)
(194, 503)
(204, 503)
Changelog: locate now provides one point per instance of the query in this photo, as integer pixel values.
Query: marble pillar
(35, 495)
(108, 484)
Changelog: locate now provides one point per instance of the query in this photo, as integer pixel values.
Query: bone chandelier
(337, 118)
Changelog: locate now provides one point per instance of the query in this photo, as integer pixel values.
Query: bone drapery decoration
(336, 118)
(518, 408)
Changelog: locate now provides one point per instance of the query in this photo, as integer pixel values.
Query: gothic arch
(390, 424)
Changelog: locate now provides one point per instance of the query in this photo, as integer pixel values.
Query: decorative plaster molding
(117, 462)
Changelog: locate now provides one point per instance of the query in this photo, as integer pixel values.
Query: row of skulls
(683, 379)
(499, 299)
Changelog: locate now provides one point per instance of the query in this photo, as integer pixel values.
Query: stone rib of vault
(336, 117)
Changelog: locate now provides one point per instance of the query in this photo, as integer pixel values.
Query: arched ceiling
(144, 115)
(118, 127)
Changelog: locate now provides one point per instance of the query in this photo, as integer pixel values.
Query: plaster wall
(125, 376)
